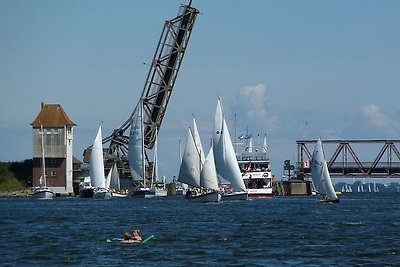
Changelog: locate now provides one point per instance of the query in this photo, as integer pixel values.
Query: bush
(8, 180)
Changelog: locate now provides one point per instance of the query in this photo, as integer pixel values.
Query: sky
(285, 68)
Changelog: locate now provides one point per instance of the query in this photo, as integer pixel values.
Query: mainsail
(197, 141)
(136, 149)
(189, 172)
(115, 183)
(208, 175)
(96, 163)
(224, 153)
(319, 173)
(218, 145)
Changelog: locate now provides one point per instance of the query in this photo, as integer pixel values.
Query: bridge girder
(346, 163)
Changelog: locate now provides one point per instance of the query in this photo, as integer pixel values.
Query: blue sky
(291, 69)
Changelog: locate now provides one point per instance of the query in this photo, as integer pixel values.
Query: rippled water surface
(364, 230)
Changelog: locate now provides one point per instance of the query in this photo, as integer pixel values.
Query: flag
(246, 136)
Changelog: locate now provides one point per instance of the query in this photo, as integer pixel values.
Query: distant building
(57, 142)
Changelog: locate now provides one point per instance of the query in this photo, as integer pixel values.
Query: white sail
(189, 172)
(224, 153)
(135, 153)
(108, 180)
(231, 171)
(319, 173)
(218, 143)
(114, 181)
(96, 162)
(208, 175)
(197, 141)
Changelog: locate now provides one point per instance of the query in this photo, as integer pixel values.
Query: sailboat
(96, 169)
(320, 175)
(225, 159)
(42, 191)
(143, 179)
(114, 183)
(201, 176)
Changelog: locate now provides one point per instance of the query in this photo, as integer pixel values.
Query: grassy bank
(13, 175)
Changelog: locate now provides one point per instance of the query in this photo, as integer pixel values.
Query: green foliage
(22, 169)
(8, 180)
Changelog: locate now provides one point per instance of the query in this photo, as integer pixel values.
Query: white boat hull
(149, 193)
(115, 194)
(43, 193)
(102, 193)
(235, 196)
(180, 191)
(161, 192)
(260, 193)
(205, 197)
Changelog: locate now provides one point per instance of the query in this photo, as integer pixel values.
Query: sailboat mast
(43, 159)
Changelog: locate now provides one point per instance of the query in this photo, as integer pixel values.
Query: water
(363, 230)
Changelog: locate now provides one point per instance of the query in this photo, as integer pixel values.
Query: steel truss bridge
(383, 158)
(159, 83)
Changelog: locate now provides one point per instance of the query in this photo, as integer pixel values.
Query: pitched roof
(52, 115)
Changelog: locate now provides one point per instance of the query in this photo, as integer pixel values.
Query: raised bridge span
(159, 83)
(375, 158)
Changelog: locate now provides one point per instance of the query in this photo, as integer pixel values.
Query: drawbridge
(160, 82)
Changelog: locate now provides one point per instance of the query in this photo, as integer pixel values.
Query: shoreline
(17, 193)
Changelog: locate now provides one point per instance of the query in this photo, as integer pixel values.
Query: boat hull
(43, 193)
(86, 192)
(161, 192)
(102, 193)
(180, 192)
(235, 196)
(329, 201)
(115, 194)
(149, 193)
(260, 193)
(205, 197)
(258, 183)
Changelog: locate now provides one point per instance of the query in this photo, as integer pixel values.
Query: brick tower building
(57, 143)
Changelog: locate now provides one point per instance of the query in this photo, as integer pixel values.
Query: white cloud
(377, 122)
(372, 113)
(253, 103)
